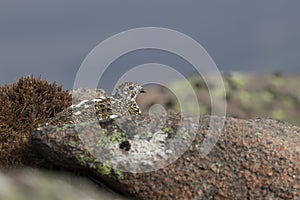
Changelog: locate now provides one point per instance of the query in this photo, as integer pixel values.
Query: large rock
(251, 159)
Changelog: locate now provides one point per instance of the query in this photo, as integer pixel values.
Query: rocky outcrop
(251, 159)
(148, 157)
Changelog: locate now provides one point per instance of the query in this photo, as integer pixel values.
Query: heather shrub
(23, 107)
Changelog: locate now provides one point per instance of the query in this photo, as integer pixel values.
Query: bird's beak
(142, 90)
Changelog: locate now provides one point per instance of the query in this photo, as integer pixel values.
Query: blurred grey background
(51, 38)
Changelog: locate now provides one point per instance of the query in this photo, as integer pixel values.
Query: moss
(23, 107)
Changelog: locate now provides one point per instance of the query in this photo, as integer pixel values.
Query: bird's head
(128, 91)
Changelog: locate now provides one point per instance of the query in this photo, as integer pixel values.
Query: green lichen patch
(63, 127)
(118, 173)
(104, 169)
(184, 134)
(116, 136)
(85, 158)
(167, 129)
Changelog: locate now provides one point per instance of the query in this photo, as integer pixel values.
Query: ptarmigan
(103, 107)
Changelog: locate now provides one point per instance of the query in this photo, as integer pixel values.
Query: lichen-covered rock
(251, 159)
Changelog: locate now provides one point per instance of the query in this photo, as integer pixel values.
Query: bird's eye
(130, 87)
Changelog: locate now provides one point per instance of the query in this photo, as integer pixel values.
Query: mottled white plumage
(103, 108)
